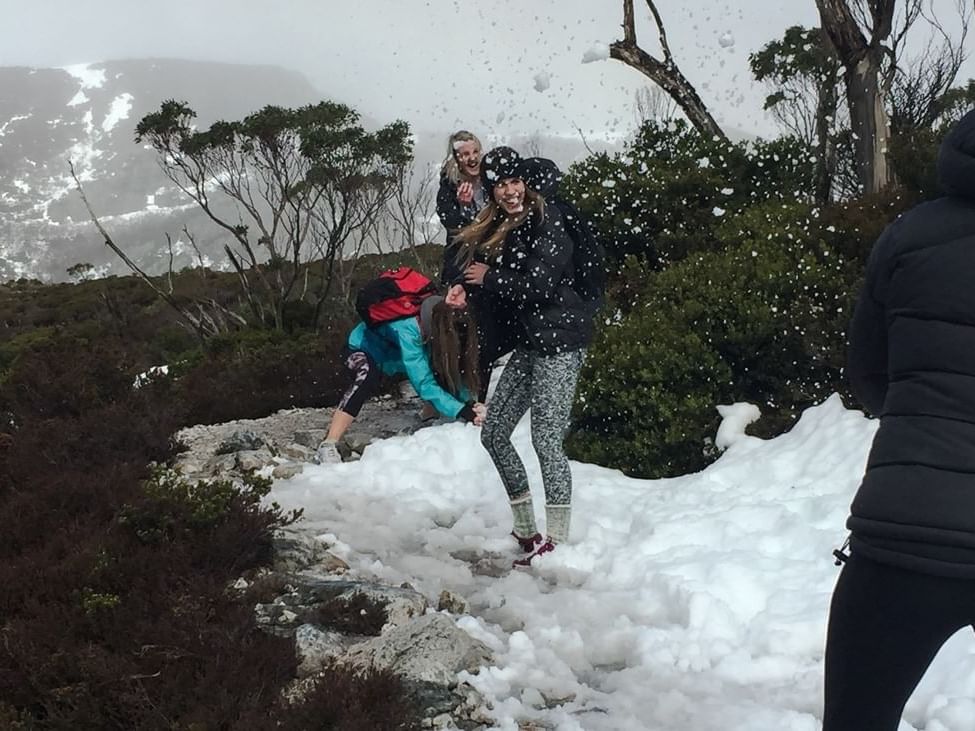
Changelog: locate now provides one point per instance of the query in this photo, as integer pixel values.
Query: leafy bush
(665, 195)
(257, 372)
(115, 605)
(761, 319)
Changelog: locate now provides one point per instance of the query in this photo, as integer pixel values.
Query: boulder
(427, 653)
(242, 440)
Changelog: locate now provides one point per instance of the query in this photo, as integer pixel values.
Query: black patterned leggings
(547, 384)
(366, 378)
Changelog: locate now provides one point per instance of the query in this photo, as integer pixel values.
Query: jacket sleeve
(416, 364)
(866, 361)
(450, 212)
(548, 257)
(451, 272)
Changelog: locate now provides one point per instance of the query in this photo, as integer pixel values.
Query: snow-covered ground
(689, 604)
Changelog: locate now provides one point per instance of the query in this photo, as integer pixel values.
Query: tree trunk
(826, 159)
(865, 96)
(870, 123)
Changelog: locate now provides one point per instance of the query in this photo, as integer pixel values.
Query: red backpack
(394, 295)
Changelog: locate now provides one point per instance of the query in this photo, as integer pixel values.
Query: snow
(119, 110)
(90, 78)
(697, 602)
(15, 118)
(596, 52)
(543, 81)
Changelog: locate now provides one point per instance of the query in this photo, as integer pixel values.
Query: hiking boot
(527, 545)
(524, 563)
(328, 453)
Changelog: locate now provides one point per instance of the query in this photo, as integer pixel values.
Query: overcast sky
(440, 64)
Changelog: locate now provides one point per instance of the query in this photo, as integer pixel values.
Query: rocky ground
(317, 601)
(286, 440)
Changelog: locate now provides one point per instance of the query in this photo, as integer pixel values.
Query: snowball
(734, 419)
(597, 52)
(726, 40)
(542, 81)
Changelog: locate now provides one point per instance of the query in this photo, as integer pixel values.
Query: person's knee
(488, 431)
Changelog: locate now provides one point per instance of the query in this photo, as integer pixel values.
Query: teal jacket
(398, 348)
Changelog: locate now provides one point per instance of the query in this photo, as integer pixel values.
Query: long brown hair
(487, 232)
(454, 349)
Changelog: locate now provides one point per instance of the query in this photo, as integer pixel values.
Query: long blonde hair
(487, 232)
(450, 168)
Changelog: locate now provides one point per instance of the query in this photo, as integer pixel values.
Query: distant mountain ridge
(87, 114)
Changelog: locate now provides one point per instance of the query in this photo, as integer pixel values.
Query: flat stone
(310, 438)
(287, 470)
(453, 603)
(220, 465)
(298, 451)
(242, 440)
(254, 459)
(427, 653)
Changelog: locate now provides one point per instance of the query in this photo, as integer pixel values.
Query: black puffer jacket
(912, 362)
(534, 275)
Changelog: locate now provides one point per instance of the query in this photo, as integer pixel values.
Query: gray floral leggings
(547, 384)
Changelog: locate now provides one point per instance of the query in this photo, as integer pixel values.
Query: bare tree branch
(664, 73)
(193, 322)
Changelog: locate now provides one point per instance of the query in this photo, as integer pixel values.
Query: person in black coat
(517, 250)
(460, 195)
(909, 581)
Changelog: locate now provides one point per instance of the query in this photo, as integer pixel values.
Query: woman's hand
(480, 411)
(474, 274)
(456, 296)
(465, 194)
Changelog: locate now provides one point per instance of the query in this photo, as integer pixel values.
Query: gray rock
(310, 438)
(287, 470)
(332, 564)
(356, 442)
(427, 653)
(295, 550)
(219, 465)
(317, 648)
(254, 459)
(298, 451)
(402, 605)
(243, 440)
(453, 603)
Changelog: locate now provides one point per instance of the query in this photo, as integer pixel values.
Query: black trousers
(497, 332)
(885, 626)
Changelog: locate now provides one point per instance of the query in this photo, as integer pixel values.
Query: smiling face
(468, 156)
(509, 193)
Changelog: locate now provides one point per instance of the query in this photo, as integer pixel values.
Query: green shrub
(665, 195)
(760, 320)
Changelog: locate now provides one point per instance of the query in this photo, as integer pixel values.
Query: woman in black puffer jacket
(518, 251)
(909, 582)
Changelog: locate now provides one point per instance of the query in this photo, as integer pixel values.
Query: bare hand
(465, 193)
(474, 274)
(480, 414)
(456, 296)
